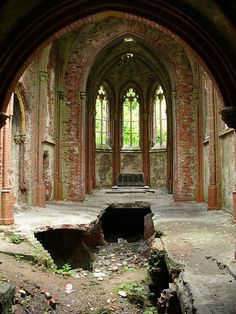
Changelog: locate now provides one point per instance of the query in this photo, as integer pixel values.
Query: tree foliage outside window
(102, 118)
(131, 119)
(159, 119)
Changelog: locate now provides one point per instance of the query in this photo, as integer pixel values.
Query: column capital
(61, 95)
(228, 115)
(20, 138)
(83, 96)
(43, 76)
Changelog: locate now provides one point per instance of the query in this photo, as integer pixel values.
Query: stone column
(82, 145)
(90, 150)
(170, 151)
(145, 148)
(199, 183)
(20, 139)
(214, 201)
(43, 79)
(58, 179)
(7, 197)
(234, 191)
(116, 147)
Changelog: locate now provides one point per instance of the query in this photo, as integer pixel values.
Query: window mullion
(131, 144)
(161, 131)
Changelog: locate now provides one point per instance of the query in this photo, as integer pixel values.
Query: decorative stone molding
(20, 138)
(229, 116)
(61, 95)
(43, 76)
(3, 118)
(83, 96)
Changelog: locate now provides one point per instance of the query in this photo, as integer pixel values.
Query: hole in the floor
(126, 221)
(163, 291)
(66, 246)
(131, 222)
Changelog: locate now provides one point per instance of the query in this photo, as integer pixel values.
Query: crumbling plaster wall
(131, 162)
(103, 169)
(206, 174)
(33, 98)
(158, 171)
(227, 169)
(28, 84)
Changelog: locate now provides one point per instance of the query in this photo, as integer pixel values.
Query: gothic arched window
(102, 118)
(131, 119)
(159, 119)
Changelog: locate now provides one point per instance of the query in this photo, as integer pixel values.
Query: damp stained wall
(131, 162)
(206, 171)
(158, 164)
(103, 169)
(227, 169)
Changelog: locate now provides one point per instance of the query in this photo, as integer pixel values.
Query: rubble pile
(114, 258)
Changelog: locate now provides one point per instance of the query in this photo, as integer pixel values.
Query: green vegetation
(150, 310)
(65, 270)
(16, 239)
(43, 260)
(19, 257)
(136, 292)
(102, 310)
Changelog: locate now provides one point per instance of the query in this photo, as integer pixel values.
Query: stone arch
(18, 145)
(195, 24)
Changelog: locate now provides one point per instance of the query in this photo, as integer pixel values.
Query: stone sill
(104, 150)
(131, 151)
(158, 150)
(226, 132)
(49, 142)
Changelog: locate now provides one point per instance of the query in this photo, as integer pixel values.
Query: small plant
(127, 269)
(19, 257)
(65, 270)
(16, 239)
(150, 310)
(136, 292)
(26, 302)
(43, 260)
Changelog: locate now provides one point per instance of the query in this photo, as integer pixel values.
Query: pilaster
(7, 197)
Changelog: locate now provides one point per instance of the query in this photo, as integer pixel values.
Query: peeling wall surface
(158, 164)
(131, 162)
(103, 169)
(227, 169)
(48, 170)
(206, 175)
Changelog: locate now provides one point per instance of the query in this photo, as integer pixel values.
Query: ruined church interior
(118, 128)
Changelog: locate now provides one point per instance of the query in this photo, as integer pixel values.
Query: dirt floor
(118, 268)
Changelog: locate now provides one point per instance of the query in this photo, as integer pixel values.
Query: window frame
(102, 145)
(158, 106)
(131, 121)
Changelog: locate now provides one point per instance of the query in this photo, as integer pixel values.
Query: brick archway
(37, 24)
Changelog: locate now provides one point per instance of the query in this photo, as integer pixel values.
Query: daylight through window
(159, 119)
(131, 119)
(102, 116)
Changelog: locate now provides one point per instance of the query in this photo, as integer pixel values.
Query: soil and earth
(105, 289)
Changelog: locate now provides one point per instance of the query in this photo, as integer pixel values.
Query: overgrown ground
(117, 284)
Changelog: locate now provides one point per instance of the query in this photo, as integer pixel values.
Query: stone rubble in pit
(113, 258)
